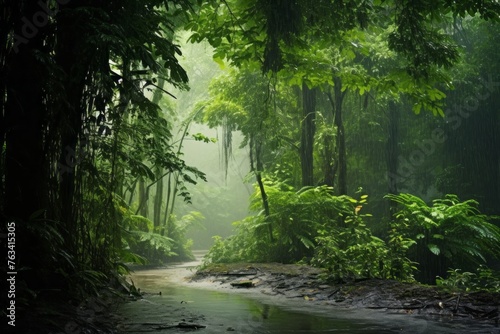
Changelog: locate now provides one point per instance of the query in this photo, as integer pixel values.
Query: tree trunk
(392, 152)
(143, 198)
(258, 176)
(173, 187)
(329, 169)
(159, 170)
(70, 111)
(307, 136)
(342, 165)
(158, 198)
(166, 217)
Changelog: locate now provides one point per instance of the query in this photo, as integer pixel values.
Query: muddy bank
(301, 282)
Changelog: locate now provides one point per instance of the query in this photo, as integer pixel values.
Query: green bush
(244, 245)
(450, 233)
(484, 279)
(312, 225)
(143, 243)
(349, 251)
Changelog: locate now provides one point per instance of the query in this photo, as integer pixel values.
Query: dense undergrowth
(313, 226)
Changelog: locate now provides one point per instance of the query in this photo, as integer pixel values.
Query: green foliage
(313, 225)
(484, 279)
(352, 253)
(348, 249)
(203, 138)
(290, 28)
(248, 244)
(222, 251)
(139, 242)
(402, 267)
(88, 281)
(177, 230)
(449, 228)
(150, 243)
(295, 217)
(142, 242)
(299, 217)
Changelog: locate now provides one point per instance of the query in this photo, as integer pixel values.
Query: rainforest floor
(305, 282)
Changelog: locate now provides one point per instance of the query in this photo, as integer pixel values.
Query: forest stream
(205, 307)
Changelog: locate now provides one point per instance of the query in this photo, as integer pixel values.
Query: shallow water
(250, 312)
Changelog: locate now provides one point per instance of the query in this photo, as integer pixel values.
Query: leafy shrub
(349, 251)
(313, 225)
(484, 279)
(448, 232)
(348, 254)
(178, 228)
(295, 217)
(402, 268)
(141, 244)
(243, 246)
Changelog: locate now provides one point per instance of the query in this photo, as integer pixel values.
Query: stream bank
(283, 299)
(303, 282)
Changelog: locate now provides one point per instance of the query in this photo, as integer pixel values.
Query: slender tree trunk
(69, 42)
(329, 169)
(174, 188)
(158, 198)
(307, 136)
(132, 191)
(496, 199)
(342, 160)
(166, 218)
(143, 199)
(392, 152)
(159, 170)
(258, 162)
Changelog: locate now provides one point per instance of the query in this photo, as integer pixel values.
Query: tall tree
(392, 153)
(342, 154)
(307, 135)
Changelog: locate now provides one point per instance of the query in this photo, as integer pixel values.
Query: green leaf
(220, 61)
(417, 108)
(434, 249)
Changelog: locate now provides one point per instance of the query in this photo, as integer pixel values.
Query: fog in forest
(224, 198)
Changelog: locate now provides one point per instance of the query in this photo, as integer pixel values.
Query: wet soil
(304, 282)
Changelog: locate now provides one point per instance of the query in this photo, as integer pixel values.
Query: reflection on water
(225, 312)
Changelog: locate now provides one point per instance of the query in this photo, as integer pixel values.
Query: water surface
(252, 312)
